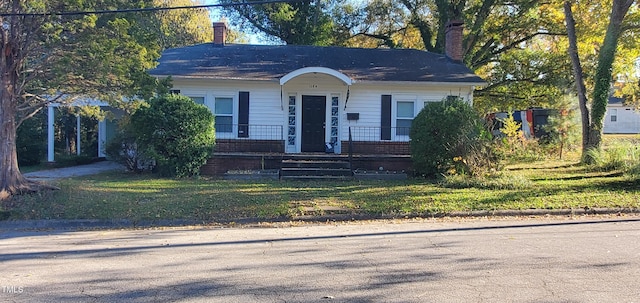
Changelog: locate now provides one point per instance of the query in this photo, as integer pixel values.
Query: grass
(538, 185)
(541, 185)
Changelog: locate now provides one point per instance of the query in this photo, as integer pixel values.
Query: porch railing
(249, 132)
(249, 138)
(380, 133)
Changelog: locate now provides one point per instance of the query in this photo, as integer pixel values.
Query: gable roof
(616, 100)
(272, 62)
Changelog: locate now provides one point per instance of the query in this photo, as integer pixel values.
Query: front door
(313, 123)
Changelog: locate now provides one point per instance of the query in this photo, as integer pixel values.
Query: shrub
(514, 146)
(175, 132)
(123, 149)
(31, 140)
(563, 128)
(442, 135)
(619, 156)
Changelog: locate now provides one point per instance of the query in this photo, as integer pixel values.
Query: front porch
(223, 162)
(264, 147)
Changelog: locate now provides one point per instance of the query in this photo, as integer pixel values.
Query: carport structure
(102, 126)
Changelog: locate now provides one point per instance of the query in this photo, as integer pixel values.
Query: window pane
(198, 100)
(403, 126)
(224, 124)
(614, 115)
(224, 106)
(405, 109)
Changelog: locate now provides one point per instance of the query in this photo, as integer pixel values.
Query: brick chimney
(453, 40)
(219, 33)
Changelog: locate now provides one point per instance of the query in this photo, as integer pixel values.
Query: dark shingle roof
(272, 62)
(616, 100)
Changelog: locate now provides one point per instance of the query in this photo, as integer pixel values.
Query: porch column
(50, 132)
(78, 135)
(102, 137)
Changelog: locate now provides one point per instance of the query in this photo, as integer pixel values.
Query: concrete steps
(315, 168)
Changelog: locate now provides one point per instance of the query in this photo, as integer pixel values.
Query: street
(583, 259)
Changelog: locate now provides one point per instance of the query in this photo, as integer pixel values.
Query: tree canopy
(47, 58)
(306, 22)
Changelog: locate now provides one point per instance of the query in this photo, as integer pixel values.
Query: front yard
(541, 185)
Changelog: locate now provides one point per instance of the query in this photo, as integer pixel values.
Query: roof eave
(205, 77)
(429, 83)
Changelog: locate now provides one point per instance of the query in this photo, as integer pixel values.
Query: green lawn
(543, 185)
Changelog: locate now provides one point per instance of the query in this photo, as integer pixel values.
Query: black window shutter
(385, 118)
(243, 115)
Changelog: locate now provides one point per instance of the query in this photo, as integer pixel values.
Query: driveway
(568, 260)
(74, 171)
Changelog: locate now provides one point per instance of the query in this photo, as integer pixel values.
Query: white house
(307, 99)
(620, 118)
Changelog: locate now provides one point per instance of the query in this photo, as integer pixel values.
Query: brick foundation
(249, 146)
(219, 164)
(377, 148)
(268, 154)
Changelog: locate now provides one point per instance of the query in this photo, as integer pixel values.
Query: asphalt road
(543, 260)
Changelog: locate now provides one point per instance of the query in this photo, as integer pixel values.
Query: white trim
(102, 137)
(50, 133)
(473, 85)
(234, 114)
(395, 99)
(80, 102)
(322, 70)
(78, 143)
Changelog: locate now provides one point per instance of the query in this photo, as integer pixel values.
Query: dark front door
(313, 123)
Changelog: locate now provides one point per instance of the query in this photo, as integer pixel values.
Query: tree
(511, 44)
(306, 22)
(176, 28)
(53, 58)
(592, 120)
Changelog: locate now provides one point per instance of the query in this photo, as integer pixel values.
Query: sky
(216, 15)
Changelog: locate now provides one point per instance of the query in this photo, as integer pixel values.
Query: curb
(72, 225)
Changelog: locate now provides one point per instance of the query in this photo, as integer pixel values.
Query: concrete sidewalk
(74, 171)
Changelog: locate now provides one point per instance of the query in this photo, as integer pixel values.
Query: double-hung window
(405, 112)
(224, 114)
(614, 115)
(197, 100)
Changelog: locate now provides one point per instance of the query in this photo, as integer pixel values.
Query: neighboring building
(532, 121)
(620, 118)
(307, 99)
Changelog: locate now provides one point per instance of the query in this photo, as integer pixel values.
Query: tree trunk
(578, 75)
(11, 180)
(11, 59)
(592, 122)
(603, 75)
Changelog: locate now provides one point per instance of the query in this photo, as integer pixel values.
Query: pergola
(51, 121)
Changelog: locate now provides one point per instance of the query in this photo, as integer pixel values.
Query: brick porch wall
(377, 148)
(396, 163)
(249, 146)
(267, 154)
(219, 164)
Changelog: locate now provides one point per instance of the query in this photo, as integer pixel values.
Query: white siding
(365, 99)
(265, 106)
(627, 120)
(268, 103)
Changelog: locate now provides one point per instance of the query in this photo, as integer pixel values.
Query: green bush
(31, 140)
(175, 132)
(123, 148)
(443, 135)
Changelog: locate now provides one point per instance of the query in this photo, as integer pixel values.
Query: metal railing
(249, 132)
(378, 133)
